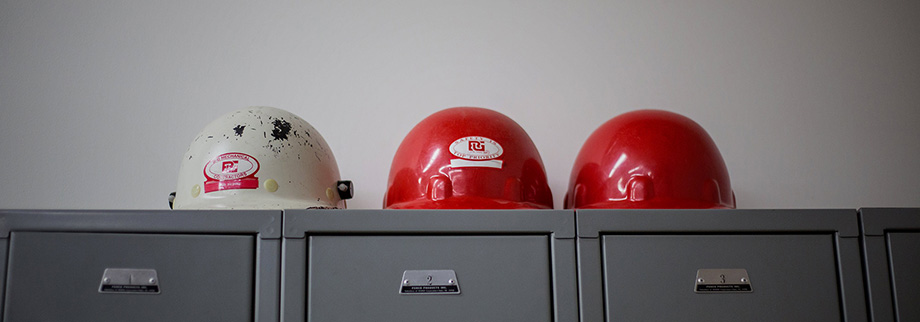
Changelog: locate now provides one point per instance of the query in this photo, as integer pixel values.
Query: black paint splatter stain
(239, 130)
(273, 148)
(282, 128)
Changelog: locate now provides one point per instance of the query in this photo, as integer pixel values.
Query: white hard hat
(259, 158)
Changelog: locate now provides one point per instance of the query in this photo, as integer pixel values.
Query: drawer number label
(130, 281)
(724, 280)
(432, 282)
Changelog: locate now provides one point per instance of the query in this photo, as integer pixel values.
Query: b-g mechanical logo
(231, 171)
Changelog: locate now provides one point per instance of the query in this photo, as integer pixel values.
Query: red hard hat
(649, 159)
(467, 158)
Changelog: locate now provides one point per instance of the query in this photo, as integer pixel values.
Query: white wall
(812, 103)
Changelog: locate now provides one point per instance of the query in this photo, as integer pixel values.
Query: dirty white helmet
(259, 158)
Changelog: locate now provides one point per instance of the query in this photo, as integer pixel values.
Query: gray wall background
(812, 103)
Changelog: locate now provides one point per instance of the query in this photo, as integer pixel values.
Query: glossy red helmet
(467, 158)
(649, 159)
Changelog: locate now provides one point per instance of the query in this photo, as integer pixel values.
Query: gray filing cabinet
(720, 265)
(424, 265)
(140, 265)
(892, 249)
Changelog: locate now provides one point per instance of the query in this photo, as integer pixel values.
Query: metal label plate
(130, 281)
(432, 282)
(722, 280)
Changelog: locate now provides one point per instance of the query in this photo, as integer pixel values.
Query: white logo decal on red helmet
(476, 151)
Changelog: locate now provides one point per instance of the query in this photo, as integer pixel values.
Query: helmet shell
(258, 158)
(649, 159)
(467, 158)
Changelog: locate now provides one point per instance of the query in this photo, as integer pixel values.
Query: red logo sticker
(231, 171)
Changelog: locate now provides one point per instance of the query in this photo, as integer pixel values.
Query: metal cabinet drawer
(654, 278)
(360, 278)
(371, 265)
(58, 277)
(140, 265)
(720, 265)
(892, 247)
